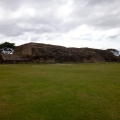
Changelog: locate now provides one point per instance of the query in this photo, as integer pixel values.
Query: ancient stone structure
(10, 58)
(44, 53)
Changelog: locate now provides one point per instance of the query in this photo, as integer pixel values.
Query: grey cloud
(10, 29)
(10, 4)
(47, 19)
(51, 37)
(13, 29)
(94, 13)
(113, 36)
(100, 2)
(98, 14)
(34, 39)
(16, 4)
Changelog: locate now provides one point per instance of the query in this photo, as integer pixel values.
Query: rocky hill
(45, 53)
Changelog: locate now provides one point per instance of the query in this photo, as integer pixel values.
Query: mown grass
(60, 92)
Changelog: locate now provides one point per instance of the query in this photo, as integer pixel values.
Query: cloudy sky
(70, 23)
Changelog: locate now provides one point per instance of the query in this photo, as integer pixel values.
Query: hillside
(41, 53)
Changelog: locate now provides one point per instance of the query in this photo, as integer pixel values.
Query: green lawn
(60, 91)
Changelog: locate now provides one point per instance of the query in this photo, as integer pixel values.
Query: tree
(7, 44)
(114, 51)
(7, 48)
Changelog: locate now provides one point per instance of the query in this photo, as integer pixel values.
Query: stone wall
(43, 52)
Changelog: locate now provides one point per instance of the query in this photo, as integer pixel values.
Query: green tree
(7, 48)
(7, 44)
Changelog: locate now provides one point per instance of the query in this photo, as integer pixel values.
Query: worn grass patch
(60, 92)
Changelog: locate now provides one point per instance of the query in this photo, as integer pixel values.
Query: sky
(70, 23)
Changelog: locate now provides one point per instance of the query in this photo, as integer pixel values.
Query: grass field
(60, 92)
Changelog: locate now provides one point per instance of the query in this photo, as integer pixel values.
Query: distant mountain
(42, 53)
